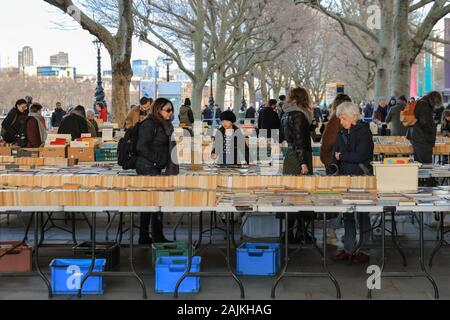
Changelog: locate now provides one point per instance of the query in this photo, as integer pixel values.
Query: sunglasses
(168, 111)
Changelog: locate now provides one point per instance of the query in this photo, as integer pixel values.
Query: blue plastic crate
(258, 259)
(67, 275)
(169, 271)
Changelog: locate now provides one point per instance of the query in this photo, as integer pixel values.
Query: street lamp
(211, 97)
(168, 61)
(99, 91)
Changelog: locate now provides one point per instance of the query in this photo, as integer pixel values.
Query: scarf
(291, 107)
(42, 130)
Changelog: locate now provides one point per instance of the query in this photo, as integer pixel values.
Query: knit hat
(229, 116)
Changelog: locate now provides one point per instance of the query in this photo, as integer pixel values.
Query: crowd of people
(25, 125)
(347, 143)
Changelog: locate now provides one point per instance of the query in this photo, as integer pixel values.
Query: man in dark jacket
(14, 124)
(269, 119)
(397, 129)
(318, 114)
(368, 112)
(58, 115)
(423, 134)
(251, 114)
(207, 115)
(75, 123)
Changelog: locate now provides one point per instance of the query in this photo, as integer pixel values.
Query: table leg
(441, 239)
(239, 282)
(133, 269)
(383, 247)
(324, 258)
(188, 270)
(395, 240)
(37, 220)
(93, 244)
(422, 258)
(286, 256)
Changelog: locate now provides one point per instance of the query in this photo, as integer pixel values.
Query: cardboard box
(55, 152)
(82, 154)
(6, 151)
(15, 257)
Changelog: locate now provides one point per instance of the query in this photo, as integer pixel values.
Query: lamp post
(99, 91)
(211, 96)
(168, 61)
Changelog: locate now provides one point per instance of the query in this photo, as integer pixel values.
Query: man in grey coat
(393, 117)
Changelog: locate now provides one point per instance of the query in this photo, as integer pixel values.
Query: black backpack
(126, 150)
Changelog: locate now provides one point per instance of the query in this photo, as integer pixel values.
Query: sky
(33, 23)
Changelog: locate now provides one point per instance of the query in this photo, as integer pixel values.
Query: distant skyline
(32, 23)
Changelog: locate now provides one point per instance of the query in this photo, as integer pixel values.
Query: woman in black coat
(154, 158)
(353, 155)
(297, 126)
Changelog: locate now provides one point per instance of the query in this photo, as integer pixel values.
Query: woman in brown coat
(331, 132)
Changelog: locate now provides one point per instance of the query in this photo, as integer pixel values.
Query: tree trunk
(401, 76)
(384, 57)
(197, 97)
(252, 91)
(238, 91)
(221, 88)
(121, 81)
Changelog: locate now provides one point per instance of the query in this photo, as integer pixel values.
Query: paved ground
(351, 277)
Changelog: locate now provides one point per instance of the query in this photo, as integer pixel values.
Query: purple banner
(447, 57)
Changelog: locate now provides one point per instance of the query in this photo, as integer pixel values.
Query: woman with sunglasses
(154, 149)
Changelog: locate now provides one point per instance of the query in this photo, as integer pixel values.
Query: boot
(157, 230)
(144, 232)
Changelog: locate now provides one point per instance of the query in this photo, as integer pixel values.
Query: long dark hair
(157, 106)
(340, 99)
(300, 97)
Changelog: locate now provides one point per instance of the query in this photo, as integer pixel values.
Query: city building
(56, 71)
(59, 59)
(140, 68)
(26, 58)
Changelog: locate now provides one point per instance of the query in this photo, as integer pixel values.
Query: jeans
(350, 230)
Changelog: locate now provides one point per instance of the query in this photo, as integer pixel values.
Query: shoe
(145, 241)
(360, 258)
(341, 256)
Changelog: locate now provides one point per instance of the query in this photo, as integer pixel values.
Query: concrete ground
(352, 278)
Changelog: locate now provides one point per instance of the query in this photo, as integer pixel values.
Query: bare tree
(396, 48)
(117, 40)
(213, 34)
